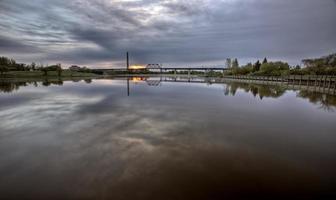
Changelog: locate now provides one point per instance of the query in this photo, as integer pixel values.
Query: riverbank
(40, 74)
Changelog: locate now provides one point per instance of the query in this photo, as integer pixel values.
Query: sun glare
(137, 79)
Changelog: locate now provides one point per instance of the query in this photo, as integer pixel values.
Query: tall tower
(127, 61)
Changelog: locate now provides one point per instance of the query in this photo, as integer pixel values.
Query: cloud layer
(173, 32)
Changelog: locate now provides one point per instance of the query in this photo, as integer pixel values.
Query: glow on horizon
(137, 67)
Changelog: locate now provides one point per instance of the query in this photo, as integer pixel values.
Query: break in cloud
(172, 32)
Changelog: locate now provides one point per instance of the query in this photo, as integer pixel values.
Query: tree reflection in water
(8, 86)
(274, 91)
(325, 101)
(48, 83)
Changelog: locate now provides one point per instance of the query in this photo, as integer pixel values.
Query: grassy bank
(64, 73)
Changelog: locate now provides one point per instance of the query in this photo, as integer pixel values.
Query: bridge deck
(171, 68)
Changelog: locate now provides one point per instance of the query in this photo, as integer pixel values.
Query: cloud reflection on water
(171, 142)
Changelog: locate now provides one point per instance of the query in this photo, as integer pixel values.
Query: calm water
(106, 139)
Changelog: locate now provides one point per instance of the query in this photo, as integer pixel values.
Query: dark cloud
(188, 8)
(171, 32)
(9, 45)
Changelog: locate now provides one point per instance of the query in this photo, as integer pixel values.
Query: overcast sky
(97, 33)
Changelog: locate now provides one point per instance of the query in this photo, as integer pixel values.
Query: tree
(256, 66)
(33, 66)
(235, 67)
(274, 68)
(3, 69)
(235, 64)
(4, 61)
(228, 63)
(264, 61)
(243, 70)
(45, 71)
(59, 69)
(11, 64)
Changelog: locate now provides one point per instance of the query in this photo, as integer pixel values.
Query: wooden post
(293, 80)
(319, 81)
(300, 80)
(323, 83)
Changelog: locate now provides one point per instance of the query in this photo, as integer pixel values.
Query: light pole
(127, 61)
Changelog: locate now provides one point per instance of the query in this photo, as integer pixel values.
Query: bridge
(156, 66)
(159, 66)
(169, 69)
(192, 68)
(151, 67)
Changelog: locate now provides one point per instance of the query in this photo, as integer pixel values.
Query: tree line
(8, 64)
(321, 66)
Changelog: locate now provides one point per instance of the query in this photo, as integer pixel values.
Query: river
(149, 139)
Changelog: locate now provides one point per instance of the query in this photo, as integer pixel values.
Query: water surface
(146, 139)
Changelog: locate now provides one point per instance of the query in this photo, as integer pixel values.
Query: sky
(97, 33)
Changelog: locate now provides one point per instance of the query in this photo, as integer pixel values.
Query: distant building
(74, 68)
